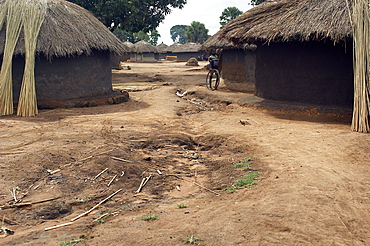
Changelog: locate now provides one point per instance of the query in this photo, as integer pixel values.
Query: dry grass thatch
(162, 48)
(172, 47)
(69, 30)
(129, 45)
(217, 43)
(187, 48)
(292, 20)
(144, 47)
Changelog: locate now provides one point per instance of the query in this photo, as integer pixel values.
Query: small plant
(244, 182)
(149, 217)
(182, 205)
(191, 240)
(100, 220)
(245, 164)
(74, 241)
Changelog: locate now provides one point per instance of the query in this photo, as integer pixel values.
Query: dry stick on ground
(28, 203)
(201, 186)
(97, 176)
(143, 183)
(97, 205)
(119, 159)
(112, 180)
(57, 226)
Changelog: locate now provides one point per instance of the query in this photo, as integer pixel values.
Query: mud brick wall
(238, 70)
(317, 73)
(67, 78)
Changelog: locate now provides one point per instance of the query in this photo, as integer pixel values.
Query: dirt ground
(311, 185)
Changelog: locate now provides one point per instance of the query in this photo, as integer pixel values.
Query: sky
(207, 12)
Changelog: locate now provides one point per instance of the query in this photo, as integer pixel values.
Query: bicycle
(213, 76)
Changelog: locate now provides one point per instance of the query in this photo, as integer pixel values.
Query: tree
(229, 14)
(130, 15)
(196, 32)
(256, 2)
(123, 35)
(178, 34)
(141, 35)
(153, 37)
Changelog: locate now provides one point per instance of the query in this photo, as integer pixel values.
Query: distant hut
(162, 50)
(304, 50)
(236, 63)
(73, 56)
(143, 51)
(127, 56)
(169, 51)
(186, 51)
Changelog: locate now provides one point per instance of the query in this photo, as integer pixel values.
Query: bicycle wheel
(213, 79)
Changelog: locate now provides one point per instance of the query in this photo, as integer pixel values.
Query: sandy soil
(312, 188)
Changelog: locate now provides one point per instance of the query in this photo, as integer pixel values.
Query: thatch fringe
(292, 20)
(187, 48)
(361, 33)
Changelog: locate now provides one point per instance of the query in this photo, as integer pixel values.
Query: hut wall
(185, 56)
(316, 73)
(143, 57)
(63, 78)
(238, 70)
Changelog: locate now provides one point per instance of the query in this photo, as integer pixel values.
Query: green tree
(229, 14)
(123, 35)
(153, 37)
(178, 34)
(256, 2)
(196, 32)
(140, 35)
(131, 15)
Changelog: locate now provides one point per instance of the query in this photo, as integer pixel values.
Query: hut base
(116, 97)
(285, 105)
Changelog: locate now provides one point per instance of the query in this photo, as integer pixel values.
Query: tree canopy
(178, 34)
(196, 32)
(229, 14)
(130, 15)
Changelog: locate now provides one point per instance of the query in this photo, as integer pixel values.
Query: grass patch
(244, 182)
(245, 164)
(182, 205)
(149, 217)
(191, 240)
(73, 241)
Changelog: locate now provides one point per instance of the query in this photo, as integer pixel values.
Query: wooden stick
(141, 185)
(119, 159)
(57, 226)
(97, 205)
(112, 180)
(28, 203)
(97, 176)
(14, 195)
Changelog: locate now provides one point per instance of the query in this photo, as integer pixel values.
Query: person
(213, 61)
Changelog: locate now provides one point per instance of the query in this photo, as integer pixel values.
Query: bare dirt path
(312, 187)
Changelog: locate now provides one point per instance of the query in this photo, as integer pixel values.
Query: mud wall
(184, 57)
(238, 70)
(67, 78)
(317, 73)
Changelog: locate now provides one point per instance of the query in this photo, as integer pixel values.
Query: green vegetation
(256, 2)
(245, 164)
(178, 34)
(73, 241)
(229, 14)
(182, 205)
(196, 32)
(245, 182)
(191, 240)
(149, 217)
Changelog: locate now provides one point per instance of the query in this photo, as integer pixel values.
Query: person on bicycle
(213, 61)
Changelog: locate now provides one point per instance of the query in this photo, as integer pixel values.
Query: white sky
(207, 12)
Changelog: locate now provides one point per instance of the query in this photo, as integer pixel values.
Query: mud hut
(186, 51)
(72, 56)
(304, 50)
(236, 63)
(127, 56)
(143, 51)
(162, 50)
(169, 51)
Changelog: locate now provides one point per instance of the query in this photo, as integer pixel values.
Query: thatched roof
(162, 48)
(129, 45)
(172, 47)
(144, 47)
(68, 30)
(187, 48)
(292, 20)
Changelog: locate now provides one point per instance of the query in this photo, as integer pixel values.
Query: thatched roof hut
(162, 48)
(73, 55)
(172, 47)
(186, 51)
(129, 45)
(143, 51)
(304, 50)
